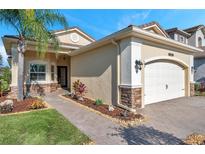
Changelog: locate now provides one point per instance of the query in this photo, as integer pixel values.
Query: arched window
(199, 42)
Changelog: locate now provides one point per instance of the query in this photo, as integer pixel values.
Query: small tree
(5, 79)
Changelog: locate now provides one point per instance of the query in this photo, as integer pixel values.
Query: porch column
(130, 87)
(14, 71)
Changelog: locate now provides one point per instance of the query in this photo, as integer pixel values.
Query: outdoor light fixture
(192, 69)
(138, 65)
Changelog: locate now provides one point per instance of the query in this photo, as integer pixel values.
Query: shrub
(98, 102)
(4, 86)
(38, 104)
(197, 86)
(79, 88)
(5, 78)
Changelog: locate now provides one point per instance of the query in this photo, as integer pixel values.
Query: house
(131, 68)
(194, 36)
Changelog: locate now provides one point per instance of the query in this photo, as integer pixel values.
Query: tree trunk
(21, 49)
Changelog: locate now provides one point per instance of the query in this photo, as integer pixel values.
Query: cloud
(129, 19)
(4, 55)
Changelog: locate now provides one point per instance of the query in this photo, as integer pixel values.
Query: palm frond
(34, 24)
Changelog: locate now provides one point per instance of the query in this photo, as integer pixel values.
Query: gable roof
(176, 30)
(192, 30)
(135, 31)
(154, 24)
(57, 32)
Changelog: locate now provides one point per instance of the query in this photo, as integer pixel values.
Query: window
(52, 72)
(199, 42)
(37, 72)
(181, 39)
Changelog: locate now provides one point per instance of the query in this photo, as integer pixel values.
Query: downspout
(119, 77)
(118, 70)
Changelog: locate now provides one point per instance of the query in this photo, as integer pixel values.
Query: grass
(46, 127)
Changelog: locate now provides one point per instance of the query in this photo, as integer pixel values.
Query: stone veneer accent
(131, 97)
(35, 89)
(192, 89)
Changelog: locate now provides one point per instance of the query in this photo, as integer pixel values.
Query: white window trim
(46, 72)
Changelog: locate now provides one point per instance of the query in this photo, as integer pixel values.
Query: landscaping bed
(118, 113)
(21, 106)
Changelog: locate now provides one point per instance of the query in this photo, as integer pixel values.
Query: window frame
(199, 40)
(37, 72)
(52, 72)
(181, 39)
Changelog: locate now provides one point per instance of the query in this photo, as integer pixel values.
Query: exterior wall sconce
(138, 65)
(64, 57)
(193, 70)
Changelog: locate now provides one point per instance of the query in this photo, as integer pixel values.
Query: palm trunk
(21, 49)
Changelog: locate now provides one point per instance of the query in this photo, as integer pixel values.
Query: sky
(99, 23)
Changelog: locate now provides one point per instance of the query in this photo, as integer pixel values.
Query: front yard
(39, 127)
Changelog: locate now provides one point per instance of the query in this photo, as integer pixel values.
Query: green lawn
(39, 127)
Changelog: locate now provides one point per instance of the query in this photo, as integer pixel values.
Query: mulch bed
(195, 139)
(117, 113)
(20, 106)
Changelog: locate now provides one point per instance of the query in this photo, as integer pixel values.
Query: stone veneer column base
(34, 89)
(192, 89)
(130, 97)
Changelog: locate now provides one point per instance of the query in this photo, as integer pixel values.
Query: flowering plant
(79, 88)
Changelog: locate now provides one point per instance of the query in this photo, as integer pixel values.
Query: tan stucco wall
(97, 69)
(153, 50)
(66, 38)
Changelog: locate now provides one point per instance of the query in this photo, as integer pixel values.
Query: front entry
(62, 76)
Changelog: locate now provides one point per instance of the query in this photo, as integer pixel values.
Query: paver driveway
(169, 122)
(180, 117)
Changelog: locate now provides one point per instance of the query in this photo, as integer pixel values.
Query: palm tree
(32, 24)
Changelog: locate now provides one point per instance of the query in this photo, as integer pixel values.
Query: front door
(62, 76)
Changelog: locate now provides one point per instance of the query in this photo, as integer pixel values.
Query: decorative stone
(111, 108)
(80, 98)
(69, 94)
(6, 106)
(192, 89)
(130, 97)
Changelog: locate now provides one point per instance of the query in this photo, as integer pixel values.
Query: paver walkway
(98, 128)
(169, 122)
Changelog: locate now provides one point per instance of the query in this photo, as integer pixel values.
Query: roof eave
(140, 33)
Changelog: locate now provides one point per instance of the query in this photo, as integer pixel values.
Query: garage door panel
(163, 81)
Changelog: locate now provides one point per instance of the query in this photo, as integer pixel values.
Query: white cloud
(127, 20)
(4, 55)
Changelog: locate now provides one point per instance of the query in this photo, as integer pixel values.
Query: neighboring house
(130, 68)
(194, 36)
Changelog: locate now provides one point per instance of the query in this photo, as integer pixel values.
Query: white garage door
(163, 81)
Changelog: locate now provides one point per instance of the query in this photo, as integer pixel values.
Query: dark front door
(62, 76)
